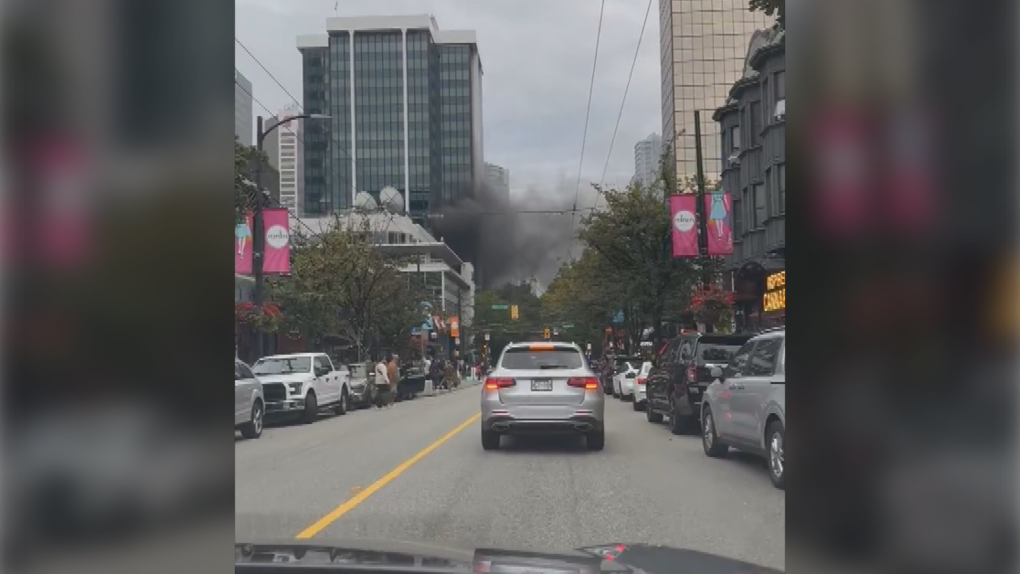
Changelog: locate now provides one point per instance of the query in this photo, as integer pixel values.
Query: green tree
(770, 8)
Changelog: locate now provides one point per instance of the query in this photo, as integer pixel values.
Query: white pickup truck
(302, 384)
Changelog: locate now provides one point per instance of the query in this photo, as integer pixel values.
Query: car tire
(595, 440)
(713, 447)
(311, 409)
(490, 440)
(652, 416)
(677, 422)
(776, 445)
(636, 405)
(253, 428)
(341, 407)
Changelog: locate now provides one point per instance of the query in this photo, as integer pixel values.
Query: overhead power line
(587, 111)
(626, 89)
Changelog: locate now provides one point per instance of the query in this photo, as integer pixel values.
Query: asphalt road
(364, 476)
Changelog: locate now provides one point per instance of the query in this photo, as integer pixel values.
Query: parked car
(249, 405)
(362, 382)
(623, 380)
(640, 382)
(302, 384)
(745, 406)
(682, 373)
(613, 366)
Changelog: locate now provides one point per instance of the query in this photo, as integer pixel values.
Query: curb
(464, 384)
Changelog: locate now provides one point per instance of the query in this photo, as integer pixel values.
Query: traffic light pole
(706, 272)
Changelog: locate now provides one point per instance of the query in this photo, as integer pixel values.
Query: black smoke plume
(505, 240)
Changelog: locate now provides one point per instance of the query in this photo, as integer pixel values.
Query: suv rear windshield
(523, 358)
(719, 349)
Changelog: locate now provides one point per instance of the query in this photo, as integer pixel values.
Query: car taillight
(495, 383)
(587, 383)
(692, 374)
(640, 380)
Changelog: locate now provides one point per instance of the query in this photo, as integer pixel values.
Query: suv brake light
(692, 373)
(587, 383)
(641, 380)
(495, 383)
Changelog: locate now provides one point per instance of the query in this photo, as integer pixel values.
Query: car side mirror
(716, 373)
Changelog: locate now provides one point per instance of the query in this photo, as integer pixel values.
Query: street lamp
(258, 235)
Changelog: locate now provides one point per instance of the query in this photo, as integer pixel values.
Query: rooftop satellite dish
(364, 200)
(391, 200)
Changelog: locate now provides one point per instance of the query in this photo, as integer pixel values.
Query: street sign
(486, 336)
(500, 307)
(514, 313)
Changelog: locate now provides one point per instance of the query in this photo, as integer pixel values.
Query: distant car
(640, 385)
(623, 380)
(542, 388)
(362, 385)
(249, 405)
(745, 406)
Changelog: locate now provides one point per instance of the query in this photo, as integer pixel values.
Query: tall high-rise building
(647, 153)
(243, 127)
(703, 46)
(498, 180)
(405, 101)
(284, 147)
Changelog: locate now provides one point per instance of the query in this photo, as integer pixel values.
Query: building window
(755, 123)
(760, 206)
(738, 219)
(780, 85)
(781, 186)
(735, 137)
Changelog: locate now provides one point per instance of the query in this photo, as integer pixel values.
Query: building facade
(498, 180)
(703, 44)
(243, 119)
(752, 150)
(284, 147)
(647, 153)
(405, 104)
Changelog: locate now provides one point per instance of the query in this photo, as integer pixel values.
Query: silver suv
(542, 388)
(745, 406)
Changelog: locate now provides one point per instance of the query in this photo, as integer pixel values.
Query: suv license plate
(543, 385)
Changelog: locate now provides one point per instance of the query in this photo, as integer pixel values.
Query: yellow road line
(360, 497)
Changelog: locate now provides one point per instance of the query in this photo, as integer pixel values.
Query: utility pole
(706, 273)
(258, 235)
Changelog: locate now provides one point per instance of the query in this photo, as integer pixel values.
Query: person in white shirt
(382, 382)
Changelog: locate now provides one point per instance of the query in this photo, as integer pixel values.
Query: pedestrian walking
(393, 373)
(382, 383)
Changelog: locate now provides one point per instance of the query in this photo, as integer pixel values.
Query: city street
(417, 473)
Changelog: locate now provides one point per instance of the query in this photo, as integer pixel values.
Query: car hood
(293, 378)
(369, 555)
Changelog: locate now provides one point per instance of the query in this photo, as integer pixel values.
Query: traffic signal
(513, 312)
(545, 333)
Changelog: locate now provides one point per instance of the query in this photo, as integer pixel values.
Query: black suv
(682, 372)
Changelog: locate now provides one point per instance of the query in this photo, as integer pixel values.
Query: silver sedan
(542, 388)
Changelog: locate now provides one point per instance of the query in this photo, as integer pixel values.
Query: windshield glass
(283, 366)
(716, 353)
(523, 358)
(646, 368)
(359, 371)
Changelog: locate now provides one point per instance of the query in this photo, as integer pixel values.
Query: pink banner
(685, 232)
(242, 246)
(718, 227)
(277, 252)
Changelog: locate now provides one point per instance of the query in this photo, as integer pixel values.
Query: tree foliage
(627, 264)
(340, 284)
(770, 8)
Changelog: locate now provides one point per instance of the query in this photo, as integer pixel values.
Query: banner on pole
(243, 245)
(719, 229)
(685, 230)
(276, 255)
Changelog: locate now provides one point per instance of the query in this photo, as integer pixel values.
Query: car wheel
(777, 454)
(254, 427)
(490, 440)
(341, 407)
(709, 439)
(595, 440)
(651, 416)
(311, 409)
(677, 422)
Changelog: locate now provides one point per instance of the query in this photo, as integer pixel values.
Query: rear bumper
(509, 425)
(639, 394)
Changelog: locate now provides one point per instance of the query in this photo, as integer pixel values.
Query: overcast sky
(537, 58)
